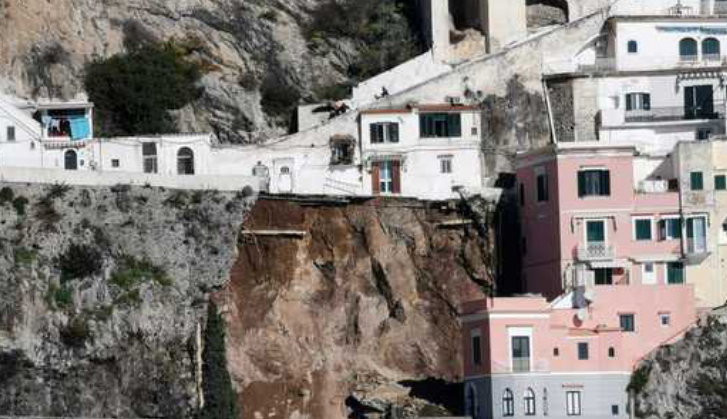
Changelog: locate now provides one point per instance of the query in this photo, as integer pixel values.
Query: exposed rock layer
(366, 299)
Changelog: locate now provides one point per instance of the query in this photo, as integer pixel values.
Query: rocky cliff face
(101, 294)
(44, 47)
(687, 379)
(353, 311)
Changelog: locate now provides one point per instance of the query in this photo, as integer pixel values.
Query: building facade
(527, 357)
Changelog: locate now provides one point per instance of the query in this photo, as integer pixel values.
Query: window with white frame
(445, 164)
(643, 229)
(594, 182)
(384, 132)
(665, 319)
(573, 403)
(638, 102)
(648, 273)
(386, 177)
(670, 228)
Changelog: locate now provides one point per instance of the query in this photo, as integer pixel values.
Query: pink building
(598, 214)
(527, 357)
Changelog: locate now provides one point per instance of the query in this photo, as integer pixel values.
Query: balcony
(595, 251)
(675, 113)
(653, 186)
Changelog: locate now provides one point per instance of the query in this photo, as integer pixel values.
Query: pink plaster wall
(559, 328)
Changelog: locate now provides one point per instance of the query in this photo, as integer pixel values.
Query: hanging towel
(80, 129)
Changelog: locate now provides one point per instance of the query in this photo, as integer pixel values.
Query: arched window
(471, 406)
(710, 49)
(508, 403)
(633, 47)
(70, 160)
(185, 161)
(688, 49)
(529, 402)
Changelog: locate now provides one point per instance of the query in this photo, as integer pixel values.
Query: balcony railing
(595, 251)
(675, 113)
(696, 246)
(653, 186)
(521, 365)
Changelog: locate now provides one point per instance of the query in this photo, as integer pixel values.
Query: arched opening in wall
(688, 50)
(185, 161)
(711, 50)
(70, 160)
(546, 13)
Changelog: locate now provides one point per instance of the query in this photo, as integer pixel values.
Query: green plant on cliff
(639, 378)
(382, 30)
(79, 261)
(135, 91)
(131, 272)
(219, 395)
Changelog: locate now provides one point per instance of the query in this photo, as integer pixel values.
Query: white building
(649, 79)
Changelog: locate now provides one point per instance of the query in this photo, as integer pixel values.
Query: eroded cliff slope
(351, 307)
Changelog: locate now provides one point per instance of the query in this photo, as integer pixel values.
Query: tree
(134, 91)
(219, 395)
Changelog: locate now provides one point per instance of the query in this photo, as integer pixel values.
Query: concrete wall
(91, 178)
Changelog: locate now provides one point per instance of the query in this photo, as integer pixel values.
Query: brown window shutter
(375, 185)
(396, 177)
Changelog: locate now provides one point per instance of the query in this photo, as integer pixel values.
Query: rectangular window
(638, 102)
(627, 322)
(520, 353)
(595, 231)
(664, 319)
(614, 409)
(720, 182)
(542, 181)
(674, 273)
(603, 276)
(583, 351)
(670, 228)
(642, 229)
(648, 273)
(440, 125)
(521, 194)
(115, 163)
(11, 133)
(573, 403)
(696, 181)
(594, 182)
(384, 132)
(445, 164)
(704, 134)
(149, 154)
(476, 348)
(697, 235)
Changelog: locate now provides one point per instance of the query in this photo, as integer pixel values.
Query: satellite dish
(582, 314)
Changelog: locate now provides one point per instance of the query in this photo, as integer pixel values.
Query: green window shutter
(647, 101)
(454, 121)
(629, 101)
(720, 182)
(595, 231)
(690, 228)
(643, 229)
(373, 134)
(605, 183)
(675, 273)
(423, 126)
(696, 181)
(581, 184)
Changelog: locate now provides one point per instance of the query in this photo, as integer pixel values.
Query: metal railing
(675, 113)
(595, 251)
